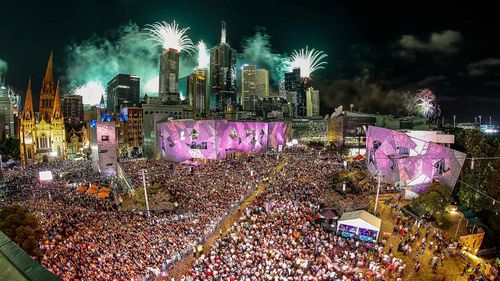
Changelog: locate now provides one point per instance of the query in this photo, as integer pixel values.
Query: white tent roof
(362, 219)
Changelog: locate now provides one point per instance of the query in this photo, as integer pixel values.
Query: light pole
(376, 197)
(458, 226)
(145, 191)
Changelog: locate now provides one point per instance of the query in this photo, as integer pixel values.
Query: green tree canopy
(21, 226)
(434, 200)
(9, 149)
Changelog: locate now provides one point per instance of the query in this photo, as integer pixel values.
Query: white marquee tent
(361, 219)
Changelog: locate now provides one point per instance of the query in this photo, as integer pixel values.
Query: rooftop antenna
(223, 33)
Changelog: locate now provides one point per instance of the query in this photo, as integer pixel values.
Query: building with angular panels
(411, 162)
(181, 140)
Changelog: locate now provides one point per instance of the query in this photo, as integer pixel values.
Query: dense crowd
(86, 238)
(278, 236)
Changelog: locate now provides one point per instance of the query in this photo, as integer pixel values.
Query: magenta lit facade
(411, 162)
(215, 139)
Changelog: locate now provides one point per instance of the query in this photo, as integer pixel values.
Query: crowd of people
(86, 238)
(278, 235)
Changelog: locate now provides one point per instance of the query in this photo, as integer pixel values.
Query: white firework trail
(203, 55)
(170, 36)
(307, 60)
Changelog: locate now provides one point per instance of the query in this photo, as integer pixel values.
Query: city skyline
(455, 58)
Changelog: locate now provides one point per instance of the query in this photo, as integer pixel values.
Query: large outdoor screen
(214, 139)
(411, 162)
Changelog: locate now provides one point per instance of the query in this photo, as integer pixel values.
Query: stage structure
(410, 162)
(181, 140)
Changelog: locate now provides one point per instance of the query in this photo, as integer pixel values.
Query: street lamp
(378, 192)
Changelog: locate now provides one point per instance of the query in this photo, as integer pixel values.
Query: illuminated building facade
(169, 76)
(262, 83)
(129, 131)
(43, 138)
(8, 110)
(72, 107)
(312, 102)
(412, 161)
(222, 75)
(248, 87)
(295, 93)
(196, 92)
(123, 91)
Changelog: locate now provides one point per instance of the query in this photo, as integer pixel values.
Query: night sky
(377, 50)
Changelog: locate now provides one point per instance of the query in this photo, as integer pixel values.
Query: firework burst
(170, 36)
(307, 60)
(203, 56)
(91, 92)
(424, 104)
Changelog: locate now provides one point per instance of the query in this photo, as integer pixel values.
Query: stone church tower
(43, 138)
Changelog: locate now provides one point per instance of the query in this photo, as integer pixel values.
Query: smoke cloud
(364, 94)
(257, 50)
(3, 66)
(125, 50)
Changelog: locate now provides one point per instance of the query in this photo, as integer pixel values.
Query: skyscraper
(222, 75)
(169, 76)
(262, 83)
(72, 107)
(123, 91)
(196, 91)
(248, 86)
(295, 91)
(8, 110)
(312, 102)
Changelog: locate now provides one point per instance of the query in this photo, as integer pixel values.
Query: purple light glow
(214, 139)
(411, 162)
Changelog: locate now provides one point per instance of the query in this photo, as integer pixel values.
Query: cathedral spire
(57, 104)
(101, 104)
(46, 103)
(49, 76)
(28, 112)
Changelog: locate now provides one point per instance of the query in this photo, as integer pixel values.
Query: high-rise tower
(196, 91)
(222, 75)
(123, 91)
(248, 86)
(169, 76)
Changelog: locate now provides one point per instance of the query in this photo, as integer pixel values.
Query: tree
(21, 226)
(434, 200)
(476, 145)
(9, 149)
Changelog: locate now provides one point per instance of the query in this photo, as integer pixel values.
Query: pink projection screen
(214, 139)
(411, 162)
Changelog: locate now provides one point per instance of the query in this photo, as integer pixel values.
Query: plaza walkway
(451, 268)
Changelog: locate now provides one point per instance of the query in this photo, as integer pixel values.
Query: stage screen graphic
(215, 139)
(409, 161)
